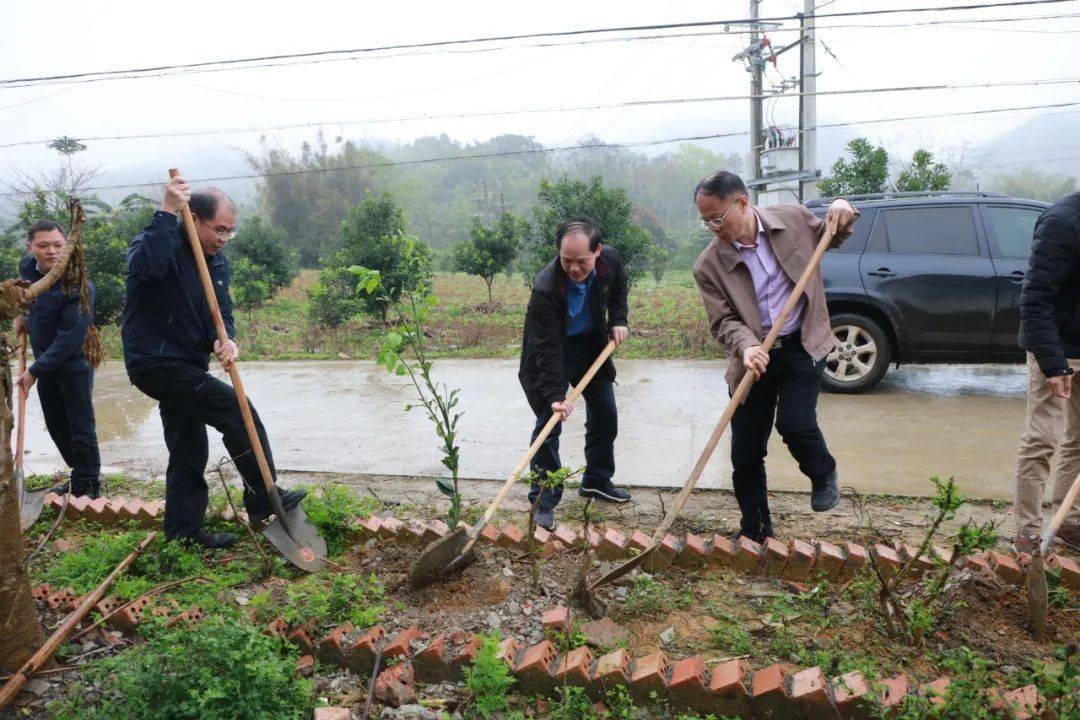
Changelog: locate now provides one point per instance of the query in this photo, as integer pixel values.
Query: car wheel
(861, 356)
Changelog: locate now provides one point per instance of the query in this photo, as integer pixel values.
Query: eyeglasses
(226, 234)
(717, 223)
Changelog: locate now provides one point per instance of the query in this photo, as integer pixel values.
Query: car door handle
(881, 272)
(1016, 276)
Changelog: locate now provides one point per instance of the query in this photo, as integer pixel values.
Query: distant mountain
(1047, 143)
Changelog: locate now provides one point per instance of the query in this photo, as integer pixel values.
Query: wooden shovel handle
(733, 405)
(20, 434)
(223, 336)
(575, 393)
(1059, 516)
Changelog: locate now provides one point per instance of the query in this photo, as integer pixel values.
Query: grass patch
(333, 508)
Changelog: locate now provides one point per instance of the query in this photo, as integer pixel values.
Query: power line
(533, 111)
(105, 74)
(588, 146)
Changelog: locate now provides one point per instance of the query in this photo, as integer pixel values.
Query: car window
(946, 230)
(857, 242)
(1012, 229)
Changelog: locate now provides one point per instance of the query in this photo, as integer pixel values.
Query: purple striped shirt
(771, 285)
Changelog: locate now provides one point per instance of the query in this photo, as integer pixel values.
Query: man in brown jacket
(745, 275)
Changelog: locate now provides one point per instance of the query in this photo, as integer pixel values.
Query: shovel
(733, 405)
(1038, 600)
(290, 532)
(451, 554)
(30, 501)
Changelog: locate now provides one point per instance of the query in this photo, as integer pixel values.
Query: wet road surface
(348, 416)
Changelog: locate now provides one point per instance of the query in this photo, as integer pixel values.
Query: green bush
(261, 263)
(331, 601)
(218, 670)
(333, 508)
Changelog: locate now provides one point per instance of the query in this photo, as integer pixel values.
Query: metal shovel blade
(297, 539)
(30, 503)
(1038, 598)
(440, 559)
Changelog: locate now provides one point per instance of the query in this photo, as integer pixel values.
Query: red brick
(412, 531)
(1023, 702)
(126, 620)
(776, 557)
(491, 534)
(1069, 569)
(368, 527)
(573, 669)
(394, 686)
(77, 505)
(639, 541)
(95, 510)
(552, 548)
(467, 648)
(508, 651)
(390, 528)
(400, 644)
(110, 512)
(935, 691)
(566, 536)
(332, 648)
(106, 606)
(895, 690)
(61, 599)
(728, 687)
(147, 513)
(648, 675)
(613, 544)
(557, 619)
(611, 670)
(664, 554)
(979, 563)
(747, 555)
(44, 590)
(594, 539)
(435, 530)
(922, 564)
(1006, 568)
(511, 536)
(693, 552)
(534, 670)
(943, 554)
(305, 665)
(852, 696)
(361, 654)
(332, 713)
(430, 663)
(722, 552)
(301, 638)
(887, 559)
(809, 690)
(855, 559)
(769, 691)
(540, 536)
(689, 685)
(276, 628)
(195, 614)
(801, 558)
(830, 560)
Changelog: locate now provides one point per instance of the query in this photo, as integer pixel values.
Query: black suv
(926, 277)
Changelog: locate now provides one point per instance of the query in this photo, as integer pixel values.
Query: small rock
(668, 636)
(332, 713)
(512, 608)
(621, 592)
(507, 572)
(370, 543)
(409, 712)
(604, 633)
(527, 608)
(494, 621)
(63, 545)
(36, 686)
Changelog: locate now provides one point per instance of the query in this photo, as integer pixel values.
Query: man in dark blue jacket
(168, 336)
(578, 303)
(57, 329)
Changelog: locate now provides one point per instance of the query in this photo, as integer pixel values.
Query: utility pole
(755, 100)
(807, 104)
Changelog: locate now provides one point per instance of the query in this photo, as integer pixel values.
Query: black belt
(789, 338)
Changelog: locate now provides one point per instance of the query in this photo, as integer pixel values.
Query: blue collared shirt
(577, 306)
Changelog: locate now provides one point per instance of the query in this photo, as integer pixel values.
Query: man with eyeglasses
(746, 275)
(168, 335)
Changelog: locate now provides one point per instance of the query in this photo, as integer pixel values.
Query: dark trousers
(67, 403)
(601, 423)
(190, 399)
(786, 393)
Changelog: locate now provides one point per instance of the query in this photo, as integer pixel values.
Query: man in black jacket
(57, 329)
(168, 336)
(1050, 332)
(578, 303)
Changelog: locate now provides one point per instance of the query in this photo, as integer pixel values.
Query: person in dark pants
(57, 325)
(168, 335)
(578, 303)
(746, 275)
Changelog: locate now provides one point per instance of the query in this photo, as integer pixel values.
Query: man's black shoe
(606, 492)
(827, 496)
(758, 537)
(545, 519)
(289, 500)
(212, 541)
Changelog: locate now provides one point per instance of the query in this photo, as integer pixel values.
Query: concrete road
(348, 416)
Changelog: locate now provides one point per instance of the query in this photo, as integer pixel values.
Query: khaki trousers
(1053, 423)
